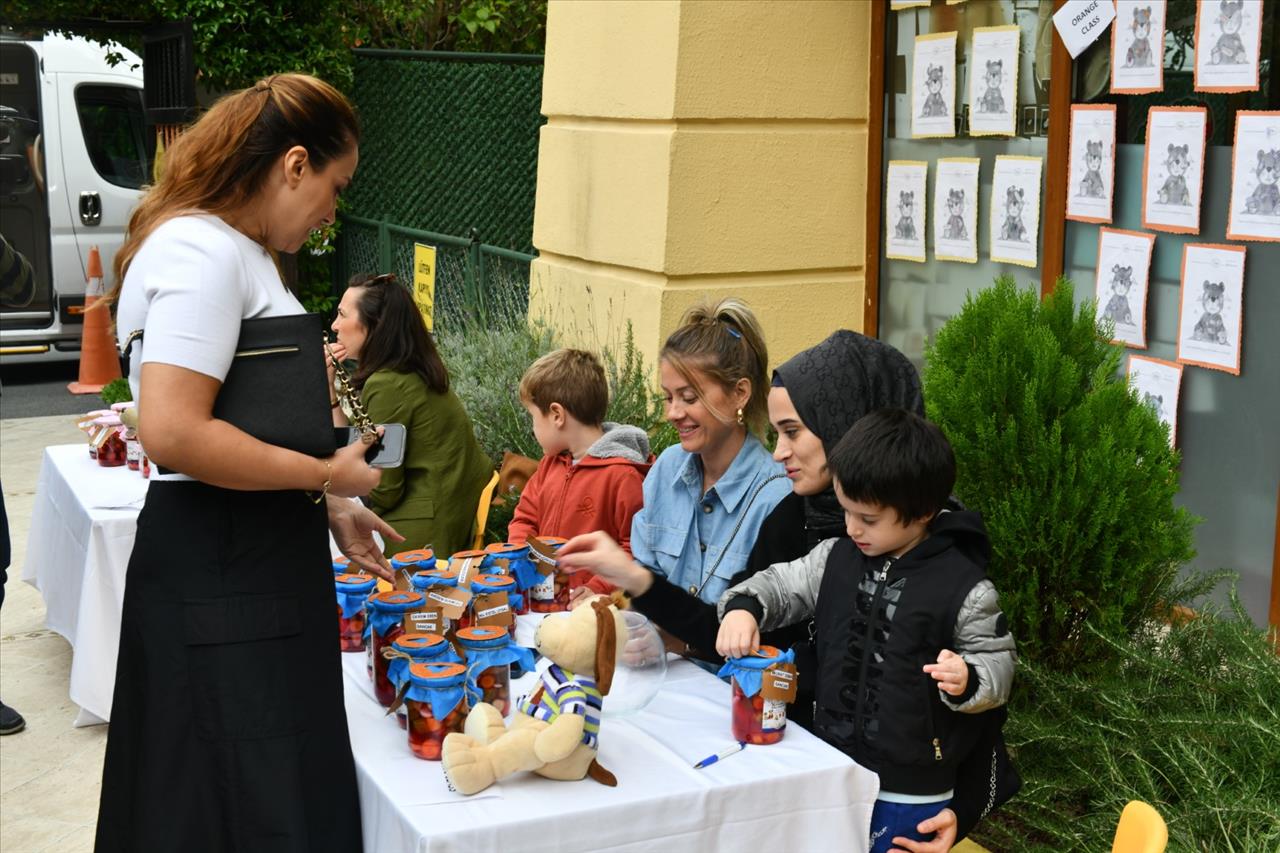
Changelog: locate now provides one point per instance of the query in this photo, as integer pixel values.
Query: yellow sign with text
(424, 281)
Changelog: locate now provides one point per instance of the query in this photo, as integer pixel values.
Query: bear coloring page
(1173, 172)
(1254, 212)
(1015, 209)
(1091, 170)
(1137, 47)
(1124, 267)
(1228, 42)
(905, 210)
(1157, 383)
(955, 209)
(1212, 313)
(993, 81)
(933, 86)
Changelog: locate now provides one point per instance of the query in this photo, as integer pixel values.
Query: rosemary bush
(1074, 477)
(1185, 717)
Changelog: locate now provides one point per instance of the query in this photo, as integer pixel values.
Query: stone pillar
(696, 149)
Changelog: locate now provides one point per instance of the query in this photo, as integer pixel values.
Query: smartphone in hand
(387, 452)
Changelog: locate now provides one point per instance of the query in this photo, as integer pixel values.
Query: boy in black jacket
(912, 647)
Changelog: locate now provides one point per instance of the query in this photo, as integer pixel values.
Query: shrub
(1074, 477)
(1185, 717)
(116, 391)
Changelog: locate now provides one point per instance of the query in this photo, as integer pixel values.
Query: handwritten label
(493, 609)
(453, 602)
(779, 683)
(1082, 22)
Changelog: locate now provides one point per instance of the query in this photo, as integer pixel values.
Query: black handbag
(276, 389)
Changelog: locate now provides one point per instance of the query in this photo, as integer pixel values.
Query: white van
(73, 159)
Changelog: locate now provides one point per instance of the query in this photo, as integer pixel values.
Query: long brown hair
(724, 342)
(396, 338)
(221, 162)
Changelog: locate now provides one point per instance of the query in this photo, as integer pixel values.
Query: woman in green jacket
(431, 499)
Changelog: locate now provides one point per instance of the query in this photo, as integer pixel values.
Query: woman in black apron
(228, 731)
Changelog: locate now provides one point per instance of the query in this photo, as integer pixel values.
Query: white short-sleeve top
(188, 287)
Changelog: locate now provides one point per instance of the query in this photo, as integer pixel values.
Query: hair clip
(731, 330)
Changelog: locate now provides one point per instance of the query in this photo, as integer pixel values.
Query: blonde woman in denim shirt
(705, 498)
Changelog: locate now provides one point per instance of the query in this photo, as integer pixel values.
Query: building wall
(696, 149)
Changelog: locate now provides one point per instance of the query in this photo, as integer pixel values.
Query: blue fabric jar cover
(440, 685)
(386, 609)
(421, 648)
(352, 590)
(487, 646)
(748, 671)
(519, 563)
(490, 584)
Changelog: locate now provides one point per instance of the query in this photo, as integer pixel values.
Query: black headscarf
(834, 384)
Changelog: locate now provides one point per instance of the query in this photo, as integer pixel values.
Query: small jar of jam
(490, 653)
(517, 564)
(132, 450)
(352, 590)
(410, 649)
(435, 705)
(405, 563)
(756, 719)
(551, 592)
(111, 449)
(485, 585)
(385, 622)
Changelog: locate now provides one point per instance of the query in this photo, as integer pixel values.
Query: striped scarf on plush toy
(562, 692)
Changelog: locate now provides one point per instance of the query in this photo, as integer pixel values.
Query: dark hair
(895, 458)
(221, 162)
(573, 378)
(396, 338)
(723, 341)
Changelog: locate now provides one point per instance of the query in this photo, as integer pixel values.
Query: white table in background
(82, 529)
(799, 794)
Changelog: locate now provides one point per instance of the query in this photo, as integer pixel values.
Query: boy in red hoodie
(591, 474)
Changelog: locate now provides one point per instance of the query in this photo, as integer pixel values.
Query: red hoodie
(602, 492)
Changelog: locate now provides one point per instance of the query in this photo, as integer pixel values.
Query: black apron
(228, 731)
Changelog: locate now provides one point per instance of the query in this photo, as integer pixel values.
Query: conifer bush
(1074, 477)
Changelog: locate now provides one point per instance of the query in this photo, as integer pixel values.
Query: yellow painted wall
(697, 149)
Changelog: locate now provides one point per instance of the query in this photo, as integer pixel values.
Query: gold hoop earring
(740, 420)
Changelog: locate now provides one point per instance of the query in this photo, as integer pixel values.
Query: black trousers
(228, 731)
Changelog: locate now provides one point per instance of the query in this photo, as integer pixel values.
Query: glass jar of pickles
(550, 594)
(756, 718)
(434, 583)
(517, 565)
(385, 623)
(352, 590)
(490, 653)
(484, 604)
(414, 648)
(435, 705)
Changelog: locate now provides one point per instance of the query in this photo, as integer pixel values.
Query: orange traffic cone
(99, 360)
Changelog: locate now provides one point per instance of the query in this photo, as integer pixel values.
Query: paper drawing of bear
(906, 227)
(1013, 229)
(933, 103)
(992, 101)
(1091, 186)
(1229, 49)
(1265, 198)
(1210, 328)
(1154, 402)
(1117, 309)
(1174, 190)
(955, 228)
(1139, 53)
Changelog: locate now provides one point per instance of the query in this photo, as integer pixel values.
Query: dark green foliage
(116, 391)
(1074, 477)
(1185, 717)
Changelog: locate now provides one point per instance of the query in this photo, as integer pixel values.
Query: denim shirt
(680, 533)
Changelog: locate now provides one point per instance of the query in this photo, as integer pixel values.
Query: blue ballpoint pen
(712, 759)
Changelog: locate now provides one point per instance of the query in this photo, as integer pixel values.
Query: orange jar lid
(417, 641)
(766, 652)
(437, 674)
(396, 600)
(503, 547)
(463, 555)
(492, 583)
(481, 633)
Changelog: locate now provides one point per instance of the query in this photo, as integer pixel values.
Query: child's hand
(739, 634)
(951, 672)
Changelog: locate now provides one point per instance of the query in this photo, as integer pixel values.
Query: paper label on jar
(133, 450)
(544, 555)
(452, 602)
(467, 568)
(774, 715)
(545, 588)
(493, 609)
(500, 566)
(425, 621)
(779, 683)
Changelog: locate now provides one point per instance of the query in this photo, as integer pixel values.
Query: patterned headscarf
(832, 385)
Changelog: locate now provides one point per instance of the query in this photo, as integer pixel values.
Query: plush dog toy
(554, 731)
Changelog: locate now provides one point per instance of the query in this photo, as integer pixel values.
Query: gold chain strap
(349, 400)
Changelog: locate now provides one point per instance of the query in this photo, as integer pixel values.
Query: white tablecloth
(798, 794)
(82, 529)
